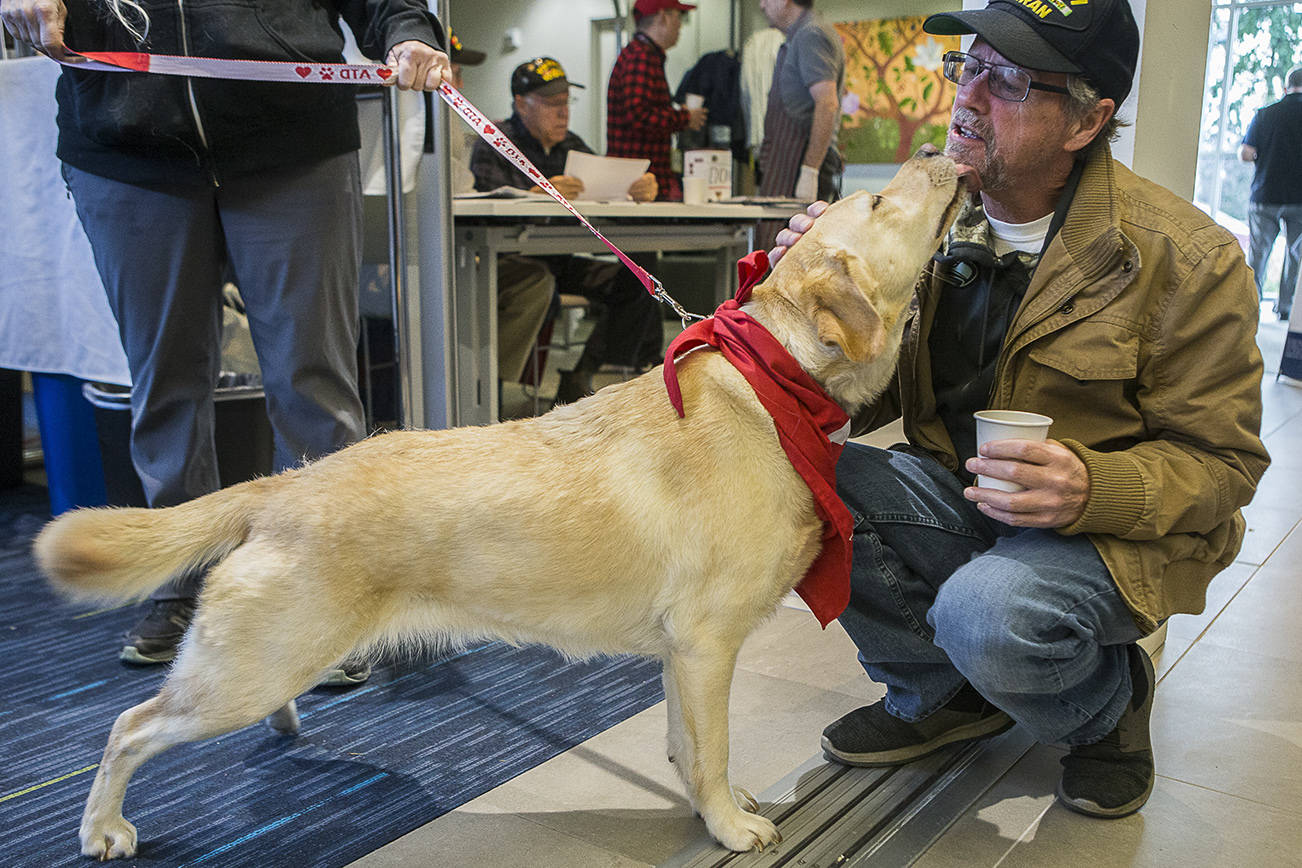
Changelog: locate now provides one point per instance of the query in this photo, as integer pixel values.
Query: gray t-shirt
(814, 53)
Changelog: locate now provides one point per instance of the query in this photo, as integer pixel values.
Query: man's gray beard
(992, 169)
(993, 173)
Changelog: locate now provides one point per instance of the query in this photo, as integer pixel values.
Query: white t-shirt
(1025, 237)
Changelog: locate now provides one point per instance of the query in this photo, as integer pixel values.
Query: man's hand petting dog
(797, 226)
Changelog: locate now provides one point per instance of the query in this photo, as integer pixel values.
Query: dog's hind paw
(284, 719)
(743, 830)
(112, 839)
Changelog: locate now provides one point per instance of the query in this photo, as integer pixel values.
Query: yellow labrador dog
(610, 526)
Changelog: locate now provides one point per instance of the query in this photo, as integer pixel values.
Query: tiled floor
(1227, 730)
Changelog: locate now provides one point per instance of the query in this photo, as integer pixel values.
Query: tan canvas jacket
(1137, 335)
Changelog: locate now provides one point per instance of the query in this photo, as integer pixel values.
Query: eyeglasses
(555, 103)
(1006, 82)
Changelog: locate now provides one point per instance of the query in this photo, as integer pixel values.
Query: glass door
(1252, 46)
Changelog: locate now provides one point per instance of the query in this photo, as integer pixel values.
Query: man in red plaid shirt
(640, 119)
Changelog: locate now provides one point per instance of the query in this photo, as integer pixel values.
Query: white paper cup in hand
(1007, 425)
(694, 101)
(694, 190)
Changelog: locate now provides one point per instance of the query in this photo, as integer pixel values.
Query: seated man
(1072, 288)
(628, 332)
(525, 287)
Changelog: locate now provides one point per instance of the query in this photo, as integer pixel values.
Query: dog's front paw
(745, 800)
(741, 830)
(109, 839)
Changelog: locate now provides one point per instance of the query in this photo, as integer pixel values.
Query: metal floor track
(834, 815)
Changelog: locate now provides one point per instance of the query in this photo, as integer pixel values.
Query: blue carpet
(370, 764)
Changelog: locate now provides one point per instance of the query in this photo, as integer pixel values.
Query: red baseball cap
(650, 7)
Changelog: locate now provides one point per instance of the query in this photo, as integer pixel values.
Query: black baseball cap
(458, 53)
(542, 75)
(1096, 39)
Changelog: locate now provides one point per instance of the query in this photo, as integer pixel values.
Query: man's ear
(1088, 127)
(843, 314)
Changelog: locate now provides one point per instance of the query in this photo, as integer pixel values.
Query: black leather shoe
(871, 736)
(1114, 777)
(155, 637)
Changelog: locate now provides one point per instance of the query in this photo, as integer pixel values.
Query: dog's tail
(122, 554)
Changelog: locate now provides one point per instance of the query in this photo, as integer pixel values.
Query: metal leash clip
(663, 296)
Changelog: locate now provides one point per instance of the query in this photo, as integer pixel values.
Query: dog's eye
(877, 200)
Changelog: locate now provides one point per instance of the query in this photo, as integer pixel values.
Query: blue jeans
(940, 595)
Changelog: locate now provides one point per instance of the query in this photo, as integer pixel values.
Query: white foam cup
(694, 101)
(694, 190)
(1007, 425)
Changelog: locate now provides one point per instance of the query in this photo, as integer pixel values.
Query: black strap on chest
(980, 297)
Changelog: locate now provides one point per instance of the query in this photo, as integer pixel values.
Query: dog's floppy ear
(842, 313)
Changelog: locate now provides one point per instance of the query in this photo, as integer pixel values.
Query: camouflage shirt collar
(972, 238)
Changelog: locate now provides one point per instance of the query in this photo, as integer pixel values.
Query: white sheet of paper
(604, 178)
(503, 193)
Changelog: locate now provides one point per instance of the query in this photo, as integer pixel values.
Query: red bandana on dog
(811, 427)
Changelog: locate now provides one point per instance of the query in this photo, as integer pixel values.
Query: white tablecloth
(54, 316)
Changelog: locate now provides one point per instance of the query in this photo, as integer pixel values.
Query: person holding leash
(178, 181)
(1072, 288)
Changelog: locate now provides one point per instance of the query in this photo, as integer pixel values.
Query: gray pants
(292, 241)
(1264, 222)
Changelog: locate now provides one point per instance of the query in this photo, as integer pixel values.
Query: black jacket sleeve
(381, 24)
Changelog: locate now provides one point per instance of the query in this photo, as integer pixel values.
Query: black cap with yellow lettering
(542, 75)
(1096, 39)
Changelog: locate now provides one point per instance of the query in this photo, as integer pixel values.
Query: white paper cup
(1007, 425)
(694, 101)
(694, 190)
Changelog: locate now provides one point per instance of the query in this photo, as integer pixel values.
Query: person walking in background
(178, 181)
(798, 156)
(640, 119)
(1273, 144)
(629, 331)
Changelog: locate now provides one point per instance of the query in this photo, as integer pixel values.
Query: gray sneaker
(155, 637)
(347, 674)
(1114, 777)
(871, 736)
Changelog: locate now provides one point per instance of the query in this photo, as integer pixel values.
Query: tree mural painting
(896, 98)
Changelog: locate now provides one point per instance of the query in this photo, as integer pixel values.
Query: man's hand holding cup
(1023, 478)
